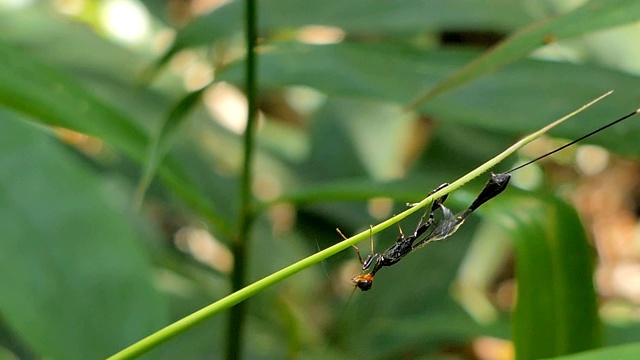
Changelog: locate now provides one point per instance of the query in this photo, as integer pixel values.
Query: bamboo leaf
(56, 100)
(367, 17)
(76, 269)
(162, 141)
(556, 308)
(51, 98)
(621, 352)
(592, 16)
(503, 102)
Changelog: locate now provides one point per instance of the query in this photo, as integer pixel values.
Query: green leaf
(517, 100)
(592, 16)
(360, 17)
(55, 99)
(76, 284)
(162, 142)
(371, 17)
(556, 308)
(622, 352)
(63, 41)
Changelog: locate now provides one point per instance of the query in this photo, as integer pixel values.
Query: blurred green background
(364, 105)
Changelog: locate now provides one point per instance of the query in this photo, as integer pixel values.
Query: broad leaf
(504, 102)
(556, 309)
(360, 17)
(55, 99)
(592, 16)
(622, 352)
(77, 270)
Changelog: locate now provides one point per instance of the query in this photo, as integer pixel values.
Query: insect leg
(366, 263)
(354, 247)
(371, 239)
(422, 225)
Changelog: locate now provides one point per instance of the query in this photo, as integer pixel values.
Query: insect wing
(443, 228)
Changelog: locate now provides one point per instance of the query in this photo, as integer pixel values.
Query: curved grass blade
(162, 141)
(592, 16)
(217, 307)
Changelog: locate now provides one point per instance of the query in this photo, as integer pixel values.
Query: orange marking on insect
(363, 281)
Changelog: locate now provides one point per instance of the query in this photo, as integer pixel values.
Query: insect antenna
(496, 185)
(574, 141)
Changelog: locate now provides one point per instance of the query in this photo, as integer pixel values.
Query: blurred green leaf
(54, 99)
(391, 72)
(333, 154)
(379, 132)
(64, 41)
(623, 352)
(359, 17)
(371, 17)
(504, 102)
(109, 72)
(77, 270)
(489, 253)
(556, 308)
(592, 16)
(162, 141)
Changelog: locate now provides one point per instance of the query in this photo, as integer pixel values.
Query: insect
(403, 246)
(431, 230)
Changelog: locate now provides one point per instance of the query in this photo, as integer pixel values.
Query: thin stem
(248, 291)
(246, 215)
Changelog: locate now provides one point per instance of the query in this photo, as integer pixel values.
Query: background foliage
(406, 96)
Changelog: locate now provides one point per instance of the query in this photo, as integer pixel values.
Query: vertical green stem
(246, 216)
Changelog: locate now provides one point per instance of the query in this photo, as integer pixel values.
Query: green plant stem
(246, 292)
(246, 216)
